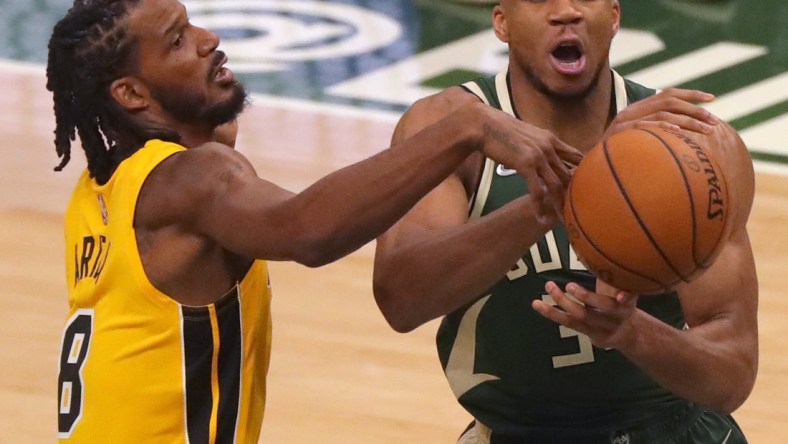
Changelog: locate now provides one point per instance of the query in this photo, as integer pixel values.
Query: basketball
(647, 209)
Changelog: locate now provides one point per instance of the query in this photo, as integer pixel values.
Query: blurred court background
(329, 80)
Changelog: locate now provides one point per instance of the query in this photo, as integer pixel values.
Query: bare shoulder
(429, 110)
(178, 188)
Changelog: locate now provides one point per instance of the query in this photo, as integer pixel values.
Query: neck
(193, 138)
(189, 135)
(579, 122)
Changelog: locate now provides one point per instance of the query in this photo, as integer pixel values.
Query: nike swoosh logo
(503, 171)
(724, 441)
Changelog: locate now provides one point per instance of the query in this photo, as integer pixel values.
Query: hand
(541, 158)
(226, 133)
(606, 320)
(672, 109)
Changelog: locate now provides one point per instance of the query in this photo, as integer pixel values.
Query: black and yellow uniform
(136, 366)
(523, 375)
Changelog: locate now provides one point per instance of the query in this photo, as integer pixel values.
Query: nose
(208, 42)
(565, 12)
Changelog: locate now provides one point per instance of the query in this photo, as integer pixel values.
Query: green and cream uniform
(521, 374)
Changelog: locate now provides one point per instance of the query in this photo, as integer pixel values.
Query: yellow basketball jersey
(136, 366)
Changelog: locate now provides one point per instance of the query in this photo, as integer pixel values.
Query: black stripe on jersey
(228, 310)
(198, 355)
(198, 351)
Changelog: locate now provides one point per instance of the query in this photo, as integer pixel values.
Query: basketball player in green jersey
(531, 364)
(168, 230)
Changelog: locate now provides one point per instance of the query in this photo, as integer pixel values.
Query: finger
(563, 160)
(552, 313)
(673, 101)
(535, 190)
(589, 298)
(572, 307)
(606, 289)
(560, 170)
(554, 188)
(684, 121)
(689, 95)
(678, 105)
(567, 153)
(645, 124)
(627, 299)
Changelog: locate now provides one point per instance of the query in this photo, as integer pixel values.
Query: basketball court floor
(329, 79)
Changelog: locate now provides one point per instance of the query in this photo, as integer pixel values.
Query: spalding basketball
(647, 209)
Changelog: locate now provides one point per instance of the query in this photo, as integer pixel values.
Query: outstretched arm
(346, 209)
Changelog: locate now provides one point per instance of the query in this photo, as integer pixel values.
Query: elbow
(391, 305)
(314, 257)
(737, 389)
(739, 392)
(312, 261)
(732, 402)
(313, 248)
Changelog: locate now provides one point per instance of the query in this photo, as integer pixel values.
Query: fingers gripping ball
(647, 209)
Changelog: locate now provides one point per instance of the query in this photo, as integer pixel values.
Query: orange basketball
(647, 209)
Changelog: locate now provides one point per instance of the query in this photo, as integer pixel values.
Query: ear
(616, 16)
(130, 93)
(500, 25)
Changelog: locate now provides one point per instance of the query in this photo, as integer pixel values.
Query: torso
(137, 366)
(515, 370)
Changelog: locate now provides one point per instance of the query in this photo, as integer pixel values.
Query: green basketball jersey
(515, 370)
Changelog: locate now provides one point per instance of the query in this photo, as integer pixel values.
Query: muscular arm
(714, 362)
(254, 218)
(435, 260)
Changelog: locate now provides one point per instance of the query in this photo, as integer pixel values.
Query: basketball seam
(640, 221)
(602, 253)
(689, 195)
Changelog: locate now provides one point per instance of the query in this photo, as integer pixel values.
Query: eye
(178, 42)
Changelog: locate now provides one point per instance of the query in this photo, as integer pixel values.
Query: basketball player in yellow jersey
(168, 335)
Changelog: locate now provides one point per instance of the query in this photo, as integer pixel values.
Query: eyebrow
(176, 24)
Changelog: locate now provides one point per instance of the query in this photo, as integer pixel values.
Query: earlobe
(129, 93)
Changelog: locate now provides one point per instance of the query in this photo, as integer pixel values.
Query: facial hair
(568, 97)
(190, 107)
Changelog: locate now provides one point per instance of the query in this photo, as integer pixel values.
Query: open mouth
(219, 73)
(567, 53)
(568, 58)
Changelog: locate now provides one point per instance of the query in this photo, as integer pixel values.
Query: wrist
(474, 123)
(629, 336)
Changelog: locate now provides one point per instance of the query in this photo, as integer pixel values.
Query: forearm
(437, 272)
(708, 364)
(352, 206)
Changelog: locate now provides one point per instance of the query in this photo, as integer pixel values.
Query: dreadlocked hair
(88, 50)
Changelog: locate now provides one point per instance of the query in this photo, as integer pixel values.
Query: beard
(188, 107)
(561, 96)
